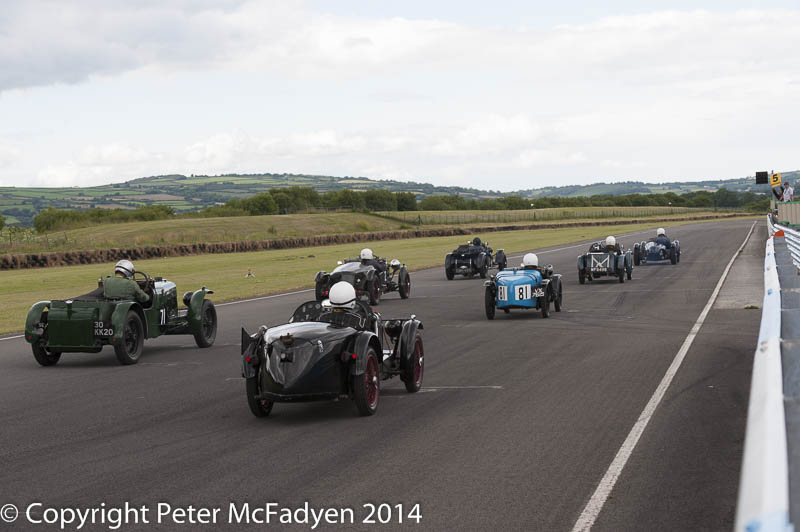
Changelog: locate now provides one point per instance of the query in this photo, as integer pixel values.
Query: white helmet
(611, 241)
(530, 259)
(660, 232)
(342, 295)
(124, 267)
(366, 254)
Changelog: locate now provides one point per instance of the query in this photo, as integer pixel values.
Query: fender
(320, 276)
(370, 275)
(362, 343)
(118, 318)
(251, 356)
(480, 260)
(500, 258)
(580, 262)
(402, 274)
(407, 335)
(32, 331)
(621, 261)
(556, 281)
(448, 261)
(195, 307)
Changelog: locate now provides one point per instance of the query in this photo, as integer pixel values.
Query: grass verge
(275, 270)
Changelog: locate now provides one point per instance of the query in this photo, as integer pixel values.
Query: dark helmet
(476, 241)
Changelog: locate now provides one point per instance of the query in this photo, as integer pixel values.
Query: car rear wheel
(484, 269)
(582, 276)
(673, 256)
(544, 303)
(43, 356)
(367, 386)
(405, 286)
(208, 325)
(558, 299)
(621, 275)
(412, 376)
(448, 272)
(636, 256)
(129, 348)
(375, 291)
(259, 407)
(489, 303)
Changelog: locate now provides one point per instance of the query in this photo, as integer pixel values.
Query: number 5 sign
(775, 180)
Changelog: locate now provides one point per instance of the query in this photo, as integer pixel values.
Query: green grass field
(275, 270)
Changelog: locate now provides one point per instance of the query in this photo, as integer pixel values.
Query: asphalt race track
(517, 422)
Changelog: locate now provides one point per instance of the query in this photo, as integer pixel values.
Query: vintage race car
(523, 289)
(86, 323)
(326, 353)
(366, 279)
(655, 250)
(601, 261)
(474, 257)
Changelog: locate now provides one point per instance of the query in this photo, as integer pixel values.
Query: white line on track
(603, 490)
(12, 337)
(264, 297)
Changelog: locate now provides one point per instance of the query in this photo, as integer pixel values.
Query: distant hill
(186, 193)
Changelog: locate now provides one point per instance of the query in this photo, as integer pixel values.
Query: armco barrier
(763, 503)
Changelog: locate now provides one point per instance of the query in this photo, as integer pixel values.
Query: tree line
(301, 199)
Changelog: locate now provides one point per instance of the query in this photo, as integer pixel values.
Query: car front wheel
(367, 386)
(43, 356)
(208, 325)
(259, 407)
(412, 375)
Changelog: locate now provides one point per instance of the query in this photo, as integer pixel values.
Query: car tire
(405, 286)
(42, 355)
(208, 325)
(129, 349)
(259, 407)
(367, 386)
(673, 256)
(621, 275)
(544, 303)
(318, 289)
(506, 311)
(581, 276)
(636, 256)
(559, 298)
(412, 375)
(489, 303)
(448, 272)
(375, 291)
(484, 269)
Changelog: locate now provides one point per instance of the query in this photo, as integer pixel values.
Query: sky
(493, 95)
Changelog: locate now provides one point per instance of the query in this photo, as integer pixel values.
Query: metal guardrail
(763, 503)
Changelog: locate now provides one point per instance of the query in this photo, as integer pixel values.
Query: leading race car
(86, 323)
(605, 258)
(528, 287)
(657, 249)
(369, 275)
(472, 258)
(337, 348)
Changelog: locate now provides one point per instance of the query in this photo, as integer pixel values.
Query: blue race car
(527, 287)
(657, 249)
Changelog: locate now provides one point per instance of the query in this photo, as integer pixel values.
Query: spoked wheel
(367, 386)
(544, 303)
(489, 303)
(375, 291)
(208, 325)
(259, 407)
(413, 373)
(405, 287)
(129, 348)
(559, 298)
(42, 355)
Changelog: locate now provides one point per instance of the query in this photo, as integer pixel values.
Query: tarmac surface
(517, 422)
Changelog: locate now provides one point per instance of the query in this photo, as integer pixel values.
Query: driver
(121, 285)
(342, 301)
(611, 244)
(368, 258)
(476, 242)
(661, 238)
(530, 262)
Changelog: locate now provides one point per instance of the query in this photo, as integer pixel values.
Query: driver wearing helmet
(530, 262)
(122, 286)
(611, 245)
(368, 258)
(661, 238)
(342, 301)
(476, 242)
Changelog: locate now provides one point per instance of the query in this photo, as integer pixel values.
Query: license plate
(538, 292)
(597, 269)
(102, 329)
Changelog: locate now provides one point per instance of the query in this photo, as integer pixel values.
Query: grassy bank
(275, 270)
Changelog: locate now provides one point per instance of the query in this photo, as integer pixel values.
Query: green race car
(87, 323)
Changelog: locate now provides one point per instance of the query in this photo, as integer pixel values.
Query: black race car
(472, 258)
(657, 249)
(327, 353)
(602, 261)
(368, 280)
